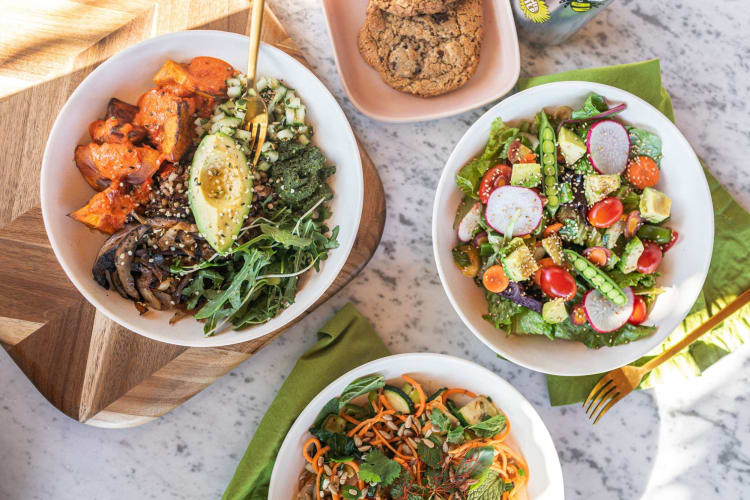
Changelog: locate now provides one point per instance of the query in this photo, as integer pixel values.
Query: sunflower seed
(428, 443)
(392, 426)
(364, 448)
(387, 417)
(357, 441)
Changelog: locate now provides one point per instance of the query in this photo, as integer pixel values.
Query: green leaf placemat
(728, 275)
(345, 342)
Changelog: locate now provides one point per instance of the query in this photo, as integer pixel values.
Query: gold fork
(618, 383)
(256, 114)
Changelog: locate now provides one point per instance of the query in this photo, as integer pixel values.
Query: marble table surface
(684, 441)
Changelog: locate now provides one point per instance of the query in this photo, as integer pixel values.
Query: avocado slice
(655, 206)
(220, 190)
(571, 145)
(554, 311)
(526, 174)
(597, 187)
(630, 255)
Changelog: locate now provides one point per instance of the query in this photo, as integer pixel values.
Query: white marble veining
(686, 441)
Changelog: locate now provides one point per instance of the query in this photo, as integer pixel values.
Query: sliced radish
(514, 206)
(608, 143)
(470, 222)
(605, 316)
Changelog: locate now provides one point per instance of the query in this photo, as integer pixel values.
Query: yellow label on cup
(535, 10)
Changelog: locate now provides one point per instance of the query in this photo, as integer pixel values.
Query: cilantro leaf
(431, 456)
(439, 420)
(377, 468)
(490, 427)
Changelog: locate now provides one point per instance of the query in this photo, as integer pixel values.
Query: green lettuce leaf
(470, 175)
(643, 142)
(500, 311)
(594, 105)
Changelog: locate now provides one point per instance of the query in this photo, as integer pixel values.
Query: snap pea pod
(596, 277)
(548, 155)
(657, 234)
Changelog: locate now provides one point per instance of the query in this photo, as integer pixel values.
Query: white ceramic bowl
(126, 76)
(684, 267)
(528, 433)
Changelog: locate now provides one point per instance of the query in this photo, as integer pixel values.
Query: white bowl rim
(647, 343)
(214, 341)
(313, 407)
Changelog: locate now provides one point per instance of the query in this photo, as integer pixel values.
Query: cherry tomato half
(491, 179)
(667, 246)
(545, 262)
(605, 213)
(557, 282)
(640, 311)
(650, 258)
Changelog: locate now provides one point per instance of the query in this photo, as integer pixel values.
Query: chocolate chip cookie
(428, 54)
(407, 8)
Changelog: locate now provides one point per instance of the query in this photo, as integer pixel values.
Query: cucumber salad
(563, 225)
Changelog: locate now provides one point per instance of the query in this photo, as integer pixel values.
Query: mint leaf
(362, 385)
(439, 420)
(431, 456)
(378, 469)
(491, 487)
(455, 435)
(490, 427)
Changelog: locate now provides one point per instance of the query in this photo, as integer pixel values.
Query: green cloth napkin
(345, 342)
(728, 275)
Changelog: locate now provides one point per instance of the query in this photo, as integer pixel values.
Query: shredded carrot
(319, 454)
(457, 391)
(552, 229)
(306, 453)
(349, 419)
(385, 442)
(422, 397)
(317, 483)
(386, 404)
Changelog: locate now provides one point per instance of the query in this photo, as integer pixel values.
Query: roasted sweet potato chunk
(206, 75)
(121, 110)
(102, 163)
(111, 130)
(108, 210)
(167, 118)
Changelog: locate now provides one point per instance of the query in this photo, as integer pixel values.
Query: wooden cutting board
(89, 367)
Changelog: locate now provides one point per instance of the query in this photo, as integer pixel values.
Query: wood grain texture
(89, 367)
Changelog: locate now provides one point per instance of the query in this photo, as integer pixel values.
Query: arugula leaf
(594, 105)
(362, 385)
(476, 461)
(643, 142)
(284, 237)
(455, 435)
(489, 427)
(439, 420)
(433, 457)
(254, 261)
(376, 468)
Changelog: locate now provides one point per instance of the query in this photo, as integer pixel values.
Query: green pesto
(299, 175)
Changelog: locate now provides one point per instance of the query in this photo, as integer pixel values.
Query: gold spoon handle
(256, 21)
(713, 321)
